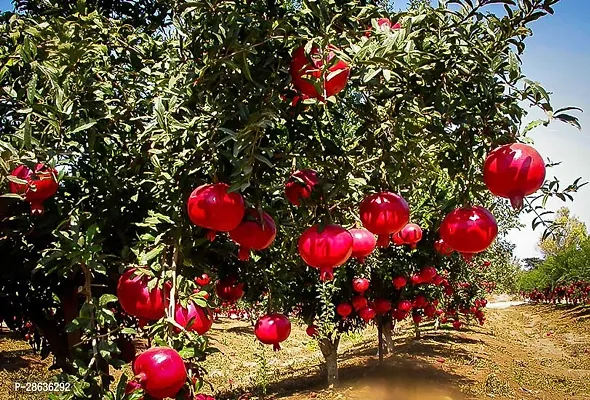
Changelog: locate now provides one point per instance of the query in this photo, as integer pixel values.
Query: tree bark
(380, 335)
(329, 350)
(388, 328)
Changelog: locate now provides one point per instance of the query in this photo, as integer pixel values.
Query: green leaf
(106, 299)
(569, 119)
(84, 127)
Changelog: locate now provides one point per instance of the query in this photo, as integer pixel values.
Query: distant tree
(531, 263)
(569, 232)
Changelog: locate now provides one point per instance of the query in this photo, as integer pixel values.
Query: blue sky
(557, 56)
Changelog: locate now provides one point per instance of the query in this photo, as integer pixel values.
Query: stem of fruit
(87, 291)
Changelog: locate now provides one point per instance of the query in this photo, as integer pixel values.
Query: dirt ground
(523, 352)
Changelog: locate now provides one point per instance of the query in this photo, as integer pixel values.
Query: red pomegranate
(437, 280)
(430, 311)
(132, 386)
(416, 279)
(256, 232)
(381, 306)
(469, 230)
(202, 396)
(417, 318)
(137, 300)
(160, 372)
(514, 171)
(326, 249)
(229, 289)
(306, 73)
(363, 244)
(360, 285)
(203, 280)
(367, 313)
(397, 240)
(384, 214)
(384, 25)
(399, 282)
(404, 305)
(359, 302)
(312, 331)
(442, 248)
(457, 324)
(273, 329)
(420, 302)
(300, 185)
(427, 274)
(213, 208)
(411, 234)
(41, 185)
(201, 318)
(344, 310)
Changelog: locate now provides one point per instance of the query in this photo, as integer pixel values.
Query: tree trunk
(69, 302)
(436, 324)
(380, 335)
(417, 331)
(330, 352)
(388, 328)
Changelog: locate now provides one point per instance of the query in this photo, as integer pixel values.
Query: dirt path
(523, 352)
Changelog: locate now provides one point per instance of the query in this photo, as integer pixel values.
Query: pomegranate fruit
(427, 274)
(469, 230)
(430, 311)
(381, 306)
(384, 214)
(363, 244)
(397, 240)
(417, 318)
(367, 313)
(514, 171)
(137, 300)
(203, 280)
(457, 324)
(420, 302)
(160, 372)
(411, 234)
(213, 208)
(300, 185)
(399, 282)
(399, 315)
(256, 232)
(41, 185)
(273, 329)
(194, 318)
(359, 302)
(384, 24)
(306, 74)
(360, 285)
(325, 250)
(404, 305)
(442, 248)
(344, 310)
(229, 289)
(416, 279)
(311, 331)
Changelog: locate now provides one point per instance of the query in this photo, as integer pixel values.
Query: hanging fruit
(442, 248)
(41, 185)
(363, 244)
(325, 249)
(427, 274)
(213, 208)
(201, 318)
(254, 233)
(384, 214)
(202, 280)
(300, 185)
(360, 285)
(367, 313)
(229, 289)
(160, 371)
(307, 73)
(273, 329)
(344, 310)
(312, 330)
(399, 282)
(381, 306)
(359, 302)
(514, 171)
(469, 230)
(137, 300)
(410, 234)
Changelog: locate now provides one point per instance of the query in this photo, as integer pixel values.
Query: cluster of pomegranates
(575, 293)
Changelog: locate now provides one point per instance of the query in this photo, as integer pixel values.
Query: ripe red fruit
(384, 214)
(132, 386)
(448, 290)
(437, 280)
(300, 185)
(360, 285)
(229, 289)
(442, 248)
(430, 311)
(255, 232)
(469, 230)
(344, 310)
(420, 302)
(359, 302)
(273, 329)
(411, 234)
(137, 300)
(41, 185)
(160, 371)
(381, 306)
(514, 171)
(367, 313)
(203, 280)
(417, 318)
(427, 274)
(306, 74)
(397, 239)
(457, 324)
(404, 305)
(311, 330)
(325, 250)
(416, 279)
(213, 208)
(399, 282)
(201, 318)
(363, 244)
(202, 396)
(399, 315)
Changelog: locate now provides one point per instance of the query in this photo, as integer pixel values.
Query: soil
(522, 352)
